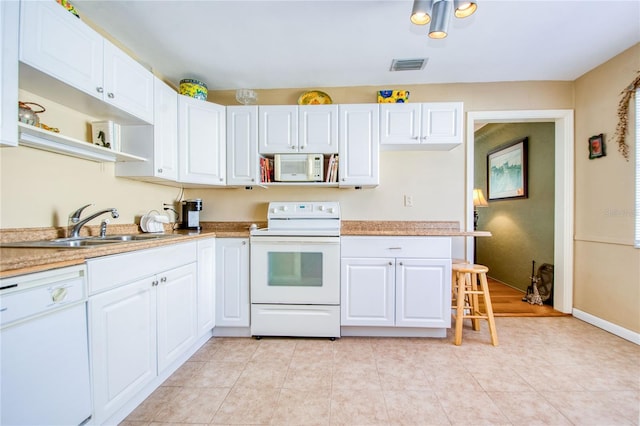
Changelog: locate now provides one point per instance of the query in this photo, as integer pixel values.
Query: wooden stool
(465, 293)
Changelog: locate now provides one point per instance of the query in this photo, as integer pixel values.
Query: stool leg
(489, 309)
(460, 307)
(475, 304)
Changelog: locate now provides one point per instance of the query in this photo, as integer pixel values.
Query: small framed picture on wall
(596, 147)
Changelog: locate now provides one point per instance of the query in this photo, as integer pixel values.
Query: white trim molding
(622, 332)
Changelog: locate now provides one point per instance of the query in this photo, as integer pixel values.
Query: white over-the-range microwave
(298, 167)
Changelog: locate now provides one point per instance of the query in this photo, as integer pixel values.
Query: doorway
(564, 190)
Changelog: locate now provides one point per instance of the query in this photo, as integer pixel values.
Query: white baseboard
(629, 335)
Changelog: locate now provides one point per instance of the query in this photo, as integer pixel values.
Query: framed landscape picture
(507, 170)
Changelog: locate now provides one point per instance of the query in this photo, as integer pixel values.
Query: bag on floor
(544, 283)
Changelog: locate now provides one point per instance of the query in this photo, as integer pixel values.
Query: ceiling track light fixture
(438, 12)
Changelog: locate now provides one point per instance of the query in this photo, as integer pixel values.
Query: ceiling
(268, 44)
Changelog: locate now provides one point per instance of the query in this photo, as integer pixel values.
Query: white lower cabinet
(177, 313)
(143, 317)
(396, 282)
(206, 285)
(123, 345)
(232, 283)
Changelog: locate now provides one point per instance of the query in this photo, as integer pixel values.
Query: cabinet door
(359, 141)
(9, 18)
(206, 285)
(157, 143)
(367, 291)
(232, 282)
(201, 142)
(177, 313)
(318, 129)
(165, 131)
(278, 126)
(441, 125)
(399, 124)
(123, 344)
(242, 145)
(57, 43)
(127, 84)
(423, 292)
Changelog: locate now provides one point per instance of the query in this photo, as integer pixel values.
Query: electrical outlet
(408, 201)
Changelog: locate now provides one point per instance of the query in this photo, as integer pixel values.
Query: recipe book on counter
(332, 169)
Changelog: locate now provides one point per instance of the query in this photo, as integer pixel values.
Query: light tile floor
(553, 371)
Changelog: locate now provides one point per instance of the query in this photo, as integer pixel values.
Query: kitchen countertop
(17, 261)
(406, 228)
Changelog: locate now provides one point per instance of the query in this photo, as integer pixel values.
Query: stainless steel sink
(87, 242)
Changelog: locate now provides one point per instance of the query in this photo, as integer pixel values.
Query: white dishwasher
(44, 362)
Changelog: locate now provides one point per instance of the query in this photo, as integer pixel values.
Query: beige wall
(607, 266)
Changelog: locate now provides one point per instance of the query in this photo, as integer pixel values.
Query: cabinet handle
(159, 170)
(163, 279)
(401, 263)
(415, 138)
(253, 180)
(293, 147)
(110, 95)
(3, 309)
(424, 138)
(244, 243)
(390, 263)
(395, 248)
(99, 89)
(154, 283)
(58, 295)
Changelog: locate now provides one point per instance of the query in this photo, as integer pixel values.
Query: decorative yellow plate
(314, 97)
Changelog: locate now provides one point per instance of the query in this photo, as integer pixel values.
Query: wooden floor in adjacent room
(507, 302)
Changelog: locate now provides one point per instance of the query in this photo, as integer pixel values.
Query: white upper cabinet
(157, 143)
(286, 129)
(278, 126)
(318, 129)
(201, 142)
(359, 140)
(9, 12)
(127, 84)
(59, 45)
(424, 126)
(242, 145)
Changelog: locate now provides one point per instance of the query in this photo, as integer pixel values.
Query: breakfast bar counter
(407, 228)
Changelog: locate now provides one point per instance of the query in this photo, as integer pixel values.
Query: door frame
(564, 189)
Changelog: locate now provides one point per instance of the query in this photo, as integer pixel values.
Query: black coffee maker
(191, 214)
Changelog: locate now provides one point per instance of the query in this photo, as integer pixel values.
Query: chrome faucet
(74, 218)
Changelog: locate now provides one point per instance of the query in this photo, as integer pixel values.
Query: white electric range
(295, 271)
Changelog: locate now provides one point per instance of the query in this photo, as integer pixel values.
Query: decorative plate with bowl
(193, 88)
(314, 97)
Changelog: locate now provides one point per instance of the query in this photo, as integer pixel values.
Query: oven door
(295, 270)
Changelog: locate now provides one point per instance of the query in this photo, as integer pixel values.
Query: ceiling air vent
(408, 64)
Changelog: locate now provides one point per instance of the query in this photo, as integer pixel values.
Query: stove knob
(284, 208)
(332, 210)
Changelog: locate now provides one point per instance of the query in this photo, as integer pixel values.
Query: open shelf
(38, 138)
